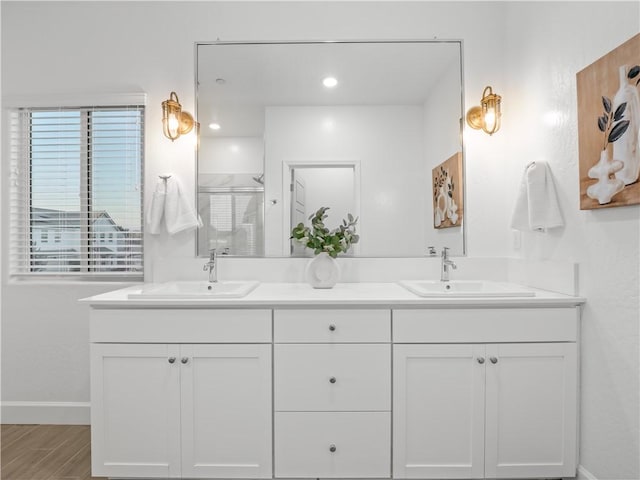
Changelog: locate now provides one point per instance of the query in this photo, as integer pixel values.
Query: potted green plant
(323, 271)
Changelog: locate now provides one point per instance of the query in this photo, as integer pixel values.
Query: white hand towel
(537, 205)
(155, 212)
(179, 212)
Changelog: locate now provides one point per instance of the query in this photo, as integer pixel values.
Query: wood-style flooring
(45, 452)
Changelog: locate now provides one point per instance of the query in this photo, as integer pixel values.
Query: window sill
(119, 282)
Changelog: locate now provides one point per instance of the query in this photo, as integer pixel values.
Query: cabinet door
(135, 410)
(226, 411)
(438, 415)
(531, 410)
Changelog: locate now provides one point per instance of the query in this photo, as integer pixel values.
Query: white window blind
(77, 172)
(235, 219)
(221, 212)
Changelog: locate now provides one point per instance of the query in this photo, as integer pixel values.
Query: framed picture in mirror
(447, 193)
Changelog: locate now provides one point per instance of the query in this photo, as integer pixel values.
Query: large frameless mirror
(367, 128)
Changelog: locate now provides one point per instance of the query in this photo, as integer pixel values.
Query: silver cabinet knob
(332, 380)
(480, 360)
(493, 360)
(332, 448)
(332, 328)
(171, 359)
(184, 360)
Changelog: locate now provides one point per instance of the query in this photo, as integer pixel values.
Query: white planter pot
(322, 271)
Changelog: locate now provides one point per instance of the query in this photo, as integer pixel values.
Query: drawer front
(180, 326)
(332, 445)
(332, 326)
(490, 325)
(332, 377)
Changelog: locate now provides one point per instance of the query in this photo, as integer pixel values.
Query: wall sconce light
(175, 122)
(487, 115)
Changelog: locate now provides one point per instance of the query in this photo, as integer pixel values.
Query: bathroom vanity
(361, 381)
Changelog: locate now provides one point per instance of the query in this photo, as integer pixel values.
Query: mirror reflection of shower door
(233, 219)
(298, 208)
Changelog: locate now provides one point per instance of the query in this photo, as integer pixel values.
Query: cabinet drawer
(332, 326)
(332, 445)
(154, 325)
(485, 325)
(332, 377)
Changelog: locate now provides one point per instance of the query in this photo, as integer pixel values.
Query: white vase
(440, 213)
(452, 212)
(626, 148)
(606, 187)
(322, 271)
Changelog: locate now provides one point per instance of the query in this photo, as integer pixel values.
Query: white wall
(75, 44)
(540, 118)
(530, 57)
(229, 155)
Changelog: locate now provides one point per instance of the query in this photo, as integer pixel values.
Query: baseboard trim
(584, 474)
(53, 413)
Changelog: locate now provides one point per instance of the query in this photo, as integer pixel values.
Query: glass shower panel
(234, 220)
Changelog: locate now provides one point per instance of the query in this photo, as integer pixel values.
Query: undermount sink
(196, 289)
(465, 288)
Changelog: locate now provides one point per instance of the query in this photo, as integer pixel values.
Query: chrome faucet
(446, 263)
(212, 266)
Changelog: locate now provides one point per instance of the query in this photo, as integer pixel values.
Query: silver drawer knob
(493, 359)
(332, 328)
(332, 448)
(171, 359)
(480, 360)
(184, 360)
(332, 380)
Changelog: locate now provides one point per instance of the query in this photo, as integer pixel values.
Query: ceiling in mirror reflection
(394, 110)
(236, 84)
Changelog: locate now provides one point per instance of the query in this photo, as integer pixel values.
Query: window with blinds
(76, 191)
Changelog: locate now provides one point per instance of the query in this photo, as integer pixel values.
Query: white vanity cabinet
(181, 410)
(485, 393)
(370, 386)
(332, 393)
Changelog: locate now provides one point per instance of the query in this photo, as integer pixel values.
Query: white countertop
(289, 295)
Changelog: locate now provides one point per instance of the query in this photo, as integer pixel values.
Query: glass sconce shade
(175, 122)
(487, 116)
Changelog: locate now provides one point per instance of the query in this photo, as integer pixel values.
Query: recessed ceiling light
(214, 126)
(329, 82)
